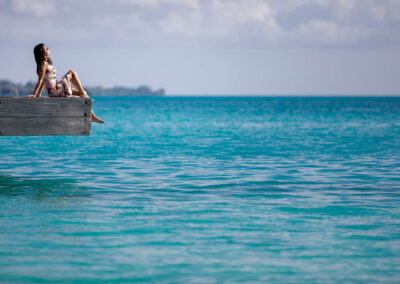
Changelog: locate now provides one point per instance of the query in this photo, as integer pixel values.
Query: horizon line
(283, 95)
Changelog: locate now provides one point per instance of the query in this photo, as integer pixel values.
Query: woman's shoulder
(44, 64)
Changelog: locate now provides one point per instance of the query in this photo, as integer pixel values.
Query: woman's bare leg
(96, 118)
(78, 93)
(84, 95)
(75, 80)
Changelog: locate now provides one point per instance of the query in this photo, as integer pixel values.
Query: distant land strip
(8, 88)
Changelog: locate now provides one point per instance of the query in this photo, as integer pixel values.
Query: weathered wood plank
(38, 126)
(45, 107)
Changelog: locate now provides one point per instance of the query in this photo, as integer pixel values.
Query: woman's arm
(40, 90)
(40, 84)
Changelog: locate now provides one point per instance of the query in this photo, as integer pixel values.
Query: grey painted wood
(19, 126)
(44, 107)
(45, 116)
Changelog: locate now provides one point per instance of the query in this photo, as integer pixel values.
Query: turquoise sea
(208, 190)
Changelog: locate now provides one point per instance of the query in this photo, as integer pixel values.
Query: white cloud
(291, 5)
(232, 21)
(189, 24)
(339, 8)
(224, 19)
(378, 12)
(230, 15)
(393, 9)
(328, 32)
(343, 7)
(36, 8)
(242, 11)
(157, 3)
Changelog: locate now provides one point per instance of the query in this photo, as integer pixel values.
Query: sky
(210, 47)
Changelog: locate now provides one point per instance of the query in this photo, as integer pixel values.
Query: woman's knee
(72, 71)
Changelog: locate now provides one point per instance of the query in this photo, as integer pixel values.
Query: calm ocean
(208, 190)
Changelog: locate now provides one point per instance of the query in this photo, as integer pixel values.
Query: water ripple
(208, 190)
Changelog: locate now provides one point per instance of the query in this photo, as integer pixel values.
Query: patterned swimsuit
(60, 88)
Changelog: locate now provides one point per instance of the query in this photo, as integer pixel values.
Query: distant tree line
(8, 88)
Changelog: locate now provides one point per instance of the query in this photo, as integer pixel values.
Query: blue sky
(197, 47)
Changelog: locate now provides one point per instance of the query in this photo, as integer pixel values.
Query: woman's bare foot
(96, 119)
(85, 95)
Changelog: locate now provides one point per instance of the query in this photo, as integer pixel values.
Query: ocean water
(208, 190)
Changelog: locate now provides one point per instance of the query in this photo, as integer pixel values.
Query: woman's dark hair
(39, 56)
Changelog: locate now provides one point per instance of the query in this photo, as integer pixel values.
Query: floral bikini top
(51, 73)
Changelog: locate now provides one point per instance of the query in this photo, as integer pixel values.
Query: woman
(47, 77)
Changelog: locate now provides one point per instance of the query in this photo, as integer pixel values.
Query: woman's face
(47, 51)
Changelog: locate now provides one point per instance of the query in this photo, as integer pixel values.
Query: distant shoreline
(9, 88)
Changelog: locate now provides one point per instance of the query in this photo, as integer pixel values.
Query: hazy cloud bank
(310, 22)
